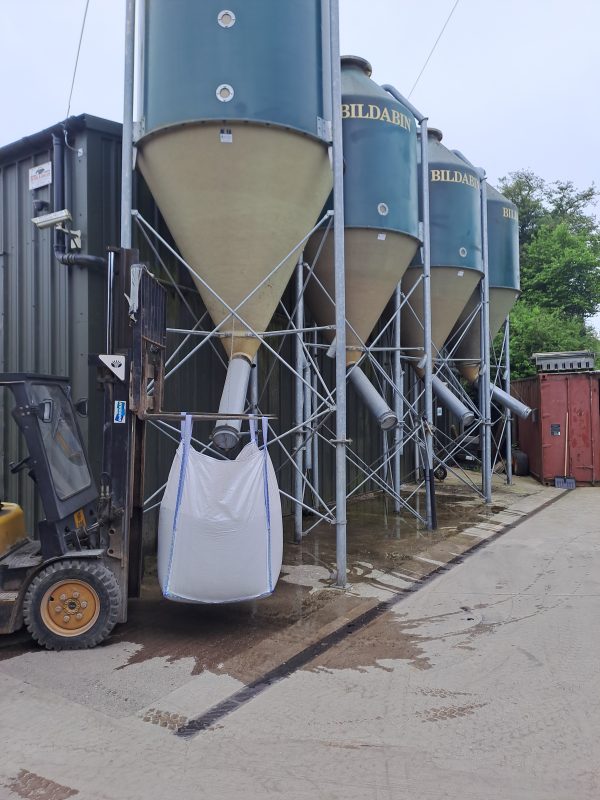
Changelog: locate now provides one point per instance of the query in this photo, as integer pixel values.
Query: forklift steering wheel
(22, 464)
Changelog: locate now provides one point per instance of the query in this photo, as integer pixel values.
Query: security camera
(50, 220)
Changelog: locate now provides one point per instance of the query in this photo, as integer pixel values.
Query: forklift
(69, 582)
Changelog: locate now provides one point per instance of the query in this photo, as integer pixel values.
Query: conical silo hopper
(456, 249)
(456, 260)
(380, 215)
(231, 149)
(504, 287)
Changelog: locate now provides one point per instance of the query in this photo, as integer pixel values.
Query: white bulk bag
(220, 531)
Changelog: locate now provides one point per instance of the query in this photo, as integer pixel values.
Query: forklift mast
(132, 375)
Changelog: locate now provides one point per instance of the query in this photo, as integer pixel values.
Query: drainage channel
(244, 695)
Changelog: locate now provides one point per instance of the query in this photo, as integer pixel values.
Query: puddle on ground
(393, 637)
(223, 638)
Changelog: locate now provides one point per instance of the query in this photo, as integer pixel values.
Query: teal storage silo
(380, 206)
(233, 149)
(503, 242)
(456, 247)
(503, 270)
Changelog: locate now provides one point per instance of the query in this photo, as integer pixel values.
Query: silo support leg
(299, 405)
(340, 293)
(507, 411)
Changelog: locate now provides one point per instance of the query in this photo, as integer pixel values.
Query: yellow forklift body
(12, 526)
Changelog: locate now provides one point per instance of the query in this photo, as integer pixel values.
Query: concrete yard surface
(479, 683)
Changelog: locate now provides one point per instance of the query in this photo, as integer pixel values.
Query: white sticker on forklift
(120, 410)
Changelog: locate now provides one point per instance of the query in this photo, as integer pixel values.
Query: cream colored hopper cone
(374, 268)
(467, 351)
(235, 213)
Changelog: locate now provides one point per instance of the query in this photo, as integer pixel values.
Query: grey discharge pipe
(510, 402)
(450, 401)
(372, 399)
(233, 401)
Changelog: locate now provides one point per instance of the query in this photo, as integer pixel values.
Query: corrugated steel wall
(53, 316)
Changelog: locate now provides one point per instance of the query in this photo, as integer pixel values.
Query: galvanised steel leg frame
(340, 294)
(484, 380)
(398, 399)
(299, 404)
(316, 466)
(427, 348)
(127, 140)
(324, 403)
(507, 411)
(369, 352)
(323, 399)
(427, 420)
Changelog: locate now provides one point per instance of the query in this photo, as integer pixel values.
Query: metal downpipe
(58, 201)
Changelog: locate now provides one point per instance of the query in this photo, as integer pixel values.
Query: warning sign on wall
(40, 176)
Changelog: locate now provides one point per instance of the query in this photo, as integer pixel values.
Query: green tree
(542, 203)
(560, 271)
(526, 190)
(567, 205)
(534, 330)
(559, 239)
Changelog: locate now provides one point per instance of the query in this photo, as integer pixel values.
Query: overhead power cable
(435, 44)
(87, 4)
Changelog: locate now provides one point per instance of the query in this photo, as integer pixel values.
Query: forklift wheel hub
(70, 608)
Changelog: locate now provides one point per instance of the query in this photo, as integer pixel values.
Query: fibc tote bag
(220, 532)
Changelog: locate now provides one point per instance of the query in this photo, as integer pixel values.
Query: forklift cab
(58, 581)
(56, 460)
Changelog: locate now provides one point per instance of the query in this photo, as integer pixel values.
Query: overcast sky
(512, 83)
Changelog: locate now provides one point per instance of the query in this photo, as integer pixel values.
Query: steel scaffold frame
(315, 402)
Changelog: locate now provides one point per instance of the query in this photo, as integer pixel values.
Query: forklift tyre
(72, 604)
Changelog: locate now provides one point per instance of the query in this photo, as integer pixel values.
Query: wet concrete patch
(211, 635)
(386, 639)
(394, 638)
(387, 554)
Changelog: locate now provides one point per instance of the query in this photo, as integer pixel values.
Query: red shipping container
(565, 425)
